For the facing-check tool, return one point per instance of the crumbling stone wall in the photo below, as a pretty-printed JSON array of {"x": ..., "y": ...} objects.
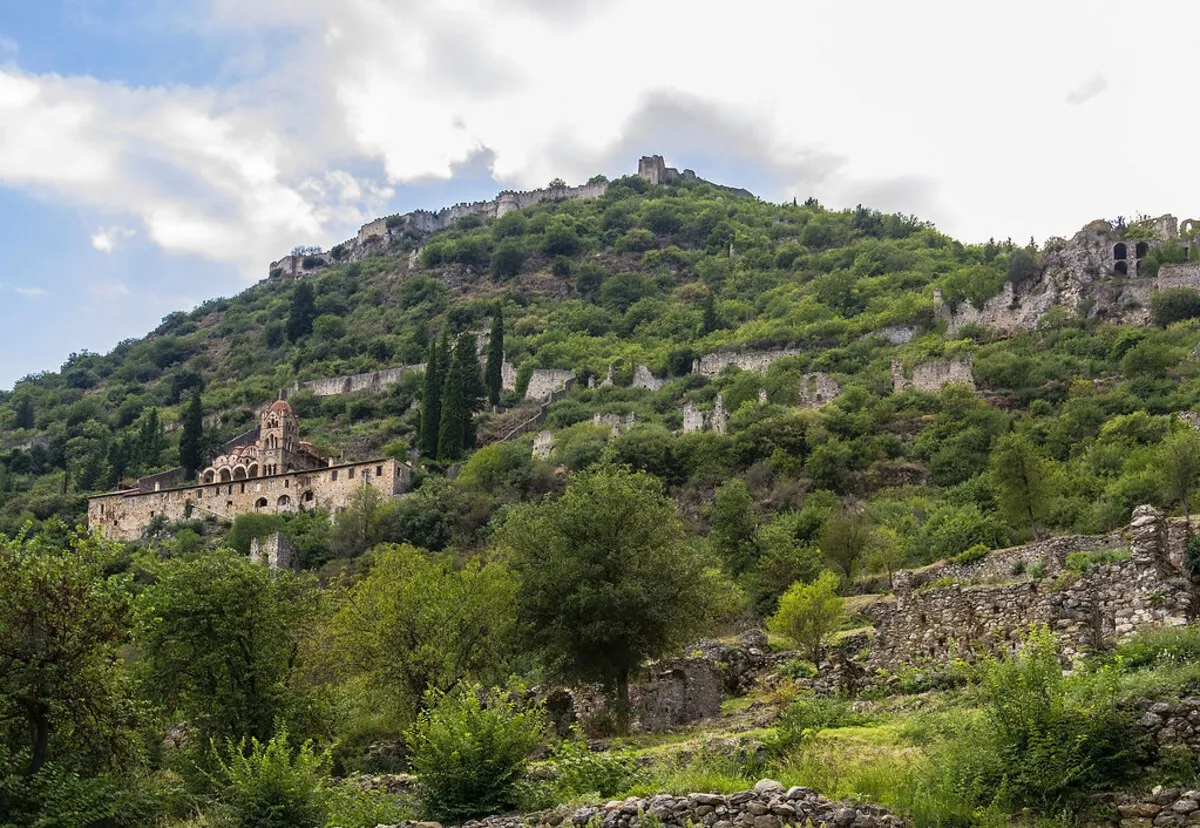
[
  {"x": 1179, "y": 275},
  {"x": 352, "y": 383},
  {"x": 759, "y": 361},
  {"x": 695, "y": 419},
  {"x": 543, "y": 444},
  {"x": 934, "y": 376},
  {"x": 680, "y": 692},
  {"x": 1096, "y": 608},
  {"x": 817, "y": 389},
  {"x": 769, "y": 805},
  {"x": 642, "y": 378},
  {"x": 275, "y": 550},
  {"x": 619, "y": 423},
  {"x": 544, "y": 382}
]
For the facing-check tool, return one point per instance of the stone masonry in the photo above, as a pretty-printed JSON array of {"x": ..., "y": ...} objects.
[
  {"x": 275, "y": 550},
  {"x": 759, "y": 361},
  {"x": 642, "y": 378},
  {"x": 768, "y": 805},
  {"x": 1087, "y": 611},
  {"x": 816, "y": 390},
  {"x": 695, "y": 419},
  {"x": 933, "y": 376}
]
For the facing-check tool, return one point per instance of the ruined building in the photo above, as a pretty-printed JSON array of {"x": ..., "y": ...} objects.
[{"x": 268, "y": 469}]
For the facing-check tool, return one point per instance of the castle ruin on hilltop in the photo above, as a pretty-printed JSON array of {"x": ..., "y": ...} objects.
[
  {"x": 377, "y": 236},
  {"x": 267, "y": 469}
]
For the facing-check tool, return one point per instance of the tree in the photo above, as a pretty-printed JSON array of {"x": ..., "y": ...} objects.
[
  {"x": 24, "y": 413},
  {"x": 493, "y": 374},
  {"x": 710, "y": 322},
  {"x": 1022, "y": 479},
  {"x": 358, "y": 527},
  {"x": 191, "y": 440},
  {"x": 507, "y": 259},
  {"x": 461, "y": 398},
  {"x": 61, "y": 623},
  {"x": 886, "y": 554},
  {"x": 431, "y": 399},
  {"x": 302, "y": 313},
  {"x": 219, "y": 638},
  {"x": 1173, "y": 305},
  {"x": 809, "y": 614},
  {"x": 150, "y": 439},
  {"x": 1179, "y": 460},
  {"x": 845, "y": 539},
  {"x": 606, "y": 578},
  {"x": 418, "y": 622},
  {"x": 732, "y": 533}
]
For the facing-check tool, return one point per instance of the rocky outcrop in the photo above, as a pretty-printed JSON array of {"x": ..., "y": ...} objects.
[{"x": 768, "y": 805}]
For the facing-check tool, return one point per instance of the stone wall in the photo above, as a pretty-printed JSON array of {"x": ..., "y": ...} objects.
[
  {"x": 543, "y": 444},
  {"x": 123, "y": 516},
  {"x": 816, "y": 389},
  {"x": 642, "y": 378},
  {"x": 1087, "y": 611},
  {"x": 619, "y": 423},
  {"x": 680, "y": 692},
  {"x": 758, "y": 361},
  {"x": 1001, "y": 564},
  {"x": 544, "y": 382},
  {"x": 275, "y": 551},
  {"x": 695, "y": 419},
  {"x": 768, "y": 805},
  {"x": 934, "y": 376},
  {"x": 1179, "y": 275},
  {"x": 353, "y": 383}
]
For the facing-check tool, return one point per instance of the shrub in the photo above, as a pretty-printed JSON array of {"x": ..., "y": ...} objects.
[
  {"x": 269, "y": 786},
  {"x": 585, "y": 771},
  {"x": 1191, "y": 555},
  {"x": 1037, "y": 571},
  {"x": 809, "y": 614},
  {"x": 1176, "y": 644},
  {"x": 1173, "y": 305},
  {"x": 975, "y": 553},
  {"x": 804, "y": 717},
  {"x": 468, "y": 752},
  {"x": 799, "y": 668},
  {"x": 1080, "y": 561}
]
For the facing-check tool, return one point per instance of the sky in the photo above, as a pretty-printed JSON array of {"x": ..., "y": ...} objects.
[{"x": 158, "y": 153}]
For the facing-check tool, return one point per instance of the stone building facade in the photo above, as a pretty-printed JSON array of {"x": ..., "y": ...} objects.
[
  {"x": 697, "y": 419},
  {"x": 759, "y": 361},
  {"x": 934, "y": 376},
  {"x": 816, "y": 389},
  {"x": 276, "y": 473}
]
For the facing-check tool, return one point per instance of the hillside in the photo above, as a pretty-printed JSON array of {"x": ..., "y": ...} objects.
[{"x": 775, "y": 505}]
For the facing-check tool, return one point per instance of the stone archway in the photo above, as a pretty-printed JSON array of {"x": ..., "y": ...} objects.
[
  {"x": 239, "y": 473},
  {"x": 1121, "y": 268},
  {"x": 225, "y": 476},
  {"x": 1141, "y": 249},
  {"x": 1120, "y": 251},
  {"x": 260, "y": 504}
]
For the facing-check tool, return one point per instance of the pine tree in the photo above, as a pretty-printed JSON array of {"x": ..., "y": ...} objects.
[
  {"x": 191, "y": 441},
  {"x": 431, "y": 399},
  {"x": 461, "y": 398},
  {"x": 24, "y": 413},
  {"x": 150, "y": 440},
  {"x": 302, "y": 312},
  {"x": 493, "y": 374}
]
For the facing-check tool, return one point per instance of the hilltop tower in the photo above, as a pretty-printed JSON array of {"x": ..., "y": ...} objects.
[{"x": 279, "y": 438}]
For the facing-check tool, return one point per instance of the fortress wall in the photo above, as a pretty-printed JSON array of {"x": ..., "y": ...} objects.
[{"x": 758, "y": 361}]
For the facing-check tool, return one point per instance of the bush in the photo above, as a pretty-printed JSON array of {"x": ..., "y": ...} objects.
[
  {"x": 804, "y": 717},
  {"x": 1173, "y": 645},
  {"x": 468, "y": 752},
  {"x": 1080, "y": 561},
  {"x": 975, "y": 553},
  {"x": 1191, "y": 555},
  {"x": 270, "y": 787},
  {"x": 809, "y": 614},
  {"x": 1174, "y": 305},
  {"x": 582, "y": 770}
]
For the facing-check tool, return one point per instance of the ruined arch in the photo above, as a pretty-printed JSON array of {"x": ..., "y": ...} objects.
[
  {"x": 1120, "y": 251},
  {"x": 1141, "y": 249},
  {"x": 283, "y": 501},
  {"x": 260, "y": 504},
  {"x": 308, "y": 497},
  {"x": 1188, "y": 226},
  {"x": 225, "y": 476},
  {"x": 1121, "y": 268}
]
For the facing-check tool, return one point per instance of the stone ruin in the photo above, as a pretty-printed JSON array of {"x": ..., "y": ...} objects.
[
  {"x": 275, "y": 550},
  {"x": 680, "y": 692},
  {"x": 817, "y": 389},
  {"x": 642, "y": 378},
  {"x": 619, "y": 423},
  {"x": 695, "y": 419},
  {"x": 1087, "y": 611},
  {"x": 933, "y": 376},
  {"x": 760, "y": 361},
  {"x": 543, "y": 444}
]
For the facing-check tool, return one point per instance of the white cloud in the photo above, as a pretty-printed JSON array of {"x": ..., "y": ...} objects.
[
  {"x": 967, "y": 116},
  {"x": 30, "y": 292},
  {"x": 107, "y": 239}
]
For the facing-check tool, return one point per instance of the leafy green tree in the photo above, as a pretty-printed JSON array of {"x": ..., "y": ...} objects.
[
  {"x": 886, "y": 553},
  {"x": 1022, "y": 479},
  {"x": 431, "y": 398},
  {"x": 507, "y": 259},
  {"x": 360, "y": 525},
  {"x": 606, "y": 578},
  {"x": 845, "y": 540},
  {"x": 219, "y": 638},
  {"x": 710, "y": 322},
  {"x": 469, "y": 752},
  {"x": 1179, "y": 459},
  {"x": 733, "y": 530},
  {"x": 191, "y": 440},
  {"x": 302, "y": 312},
  {"x": 809, "y": 614},
  {"x": 494, "y": 372},
  {"x": 1021, "y": 266},
  {"x": 418, "y": 622},
  {"x": 62, "y": 620}
]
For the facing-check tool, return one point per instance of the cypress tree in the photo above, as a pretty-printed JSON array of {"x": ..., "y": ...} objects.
[
  {"x": 150, "y": 440},
  {"x": 461, "y": 397},
  {"x": 24, "y": 413},
  {"x": 302, "y": 312},
  {"x": 191, "y": 441},
  {"x": 493, "y": 375},
  {"x": 710, "y": 313},
  {"x": 431, "y": 399}
]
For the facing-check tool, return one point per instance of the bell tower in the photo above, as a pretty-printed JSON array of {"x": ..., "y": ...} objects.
[{"x": 278, "y": 438}]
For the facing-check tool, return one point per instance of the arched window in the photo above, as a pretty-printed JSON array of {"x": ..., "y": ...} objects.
[
  {"x": 1141, "y": 250},
  {"x": 1119, "y": 251},
  {"x": 1121, "y": 268},
  {"x": 260, "y": 504},
  {"x": 283, "y": 500},
  {"x": 225, "y": 476},
  {"x": 307, "y": 497},
  {"x": 253, "y": 472},
  {"x": 239, "y": 473},
  {"x": 209, "y": 476}
]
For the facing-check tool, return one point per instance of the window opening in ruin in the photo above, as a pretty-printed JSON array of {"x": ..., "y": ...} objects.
[
  {"x": 350, "y": 474},
  {"x": 1141, "y": 250},
  {"x": 151, "y": 513},
  {"x": 1121, "y": 268},
  {"x": 242, "y": 489},
  {"x": 379, "y": 471},
  {"x": 334, "y": 476},
  {"x": 284, "y": 500},
  {"x": 1119, "y": 252},
  {"x": 102, "y": 508},
  {"x": 229, "y": 504},
  {"x": 287, "y": 484},
  {"x": 308, "y": 497},
  {"x": 261, "y": 503}
]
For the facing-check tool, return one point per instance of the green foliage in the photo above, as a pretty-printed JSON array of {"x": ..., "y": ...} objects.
[
  {"x": 1174, "y": 305},
  {"x": 418, "y": 622},
  {"x": 469, "y": 752},
  {"x": 809, "y": 614},
  {"x": 605, "y": 577},
  {"x": 1081, "y": 561},
  {"x": 804, "y": 717},
  {"x": 493, "y": 372},
  {"x": 976, "y": 553},
  {"x": 1191, "y": 555},
  {"x": 1179, "y": 460},
  {"x": 437, "y": 365},
  {"x": 302, "y": 313},
  {"x": 270, "y": 785},
  {"x": 218, "y": 637},
  {"x": 1022, "y": 480},
  {"x": 191, "y": 440},
  {"x": 586, "y": 772},
  {"x": 732, "y": 534}
]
